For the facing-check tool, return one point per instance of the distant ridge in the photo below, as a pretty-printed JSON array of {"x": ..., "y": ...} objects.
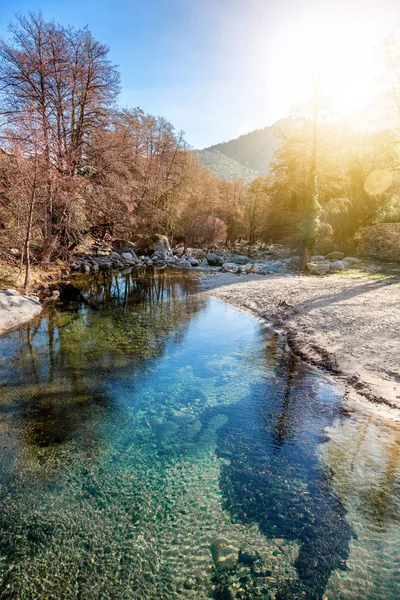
[
  {"x": 247, "y": 156},
  {"x": 225, "y": 167}
]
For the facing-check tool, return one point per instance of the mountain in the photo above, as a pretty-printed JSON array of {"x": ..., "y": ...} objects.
[
  {"x": 247, "y": 156},
  {"x": 250, "y": 155},
  {"x": 225, "y": 167}
]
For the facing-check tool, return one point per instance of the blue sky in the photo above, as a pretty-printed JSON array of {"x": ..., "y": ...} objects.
[{"x": 218, "y": 68}]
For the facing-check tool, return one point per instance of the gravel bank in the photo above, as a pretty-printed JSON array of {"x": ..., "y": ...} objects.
[
  {"x": 348, "y": 325},
  {"x": 16, "y": 309}
]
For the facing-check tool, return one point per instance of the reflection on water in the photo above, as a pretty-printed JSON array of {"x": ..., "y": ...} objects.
[{"x": 147, "y": 421}]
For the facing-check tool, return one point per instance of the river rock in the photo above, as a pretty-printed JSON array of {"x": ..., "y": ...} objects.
[
  {"x": 317, "y": 258},
  {"x": 94, "y": 268},
  {"x": 339, "y": 265},
  {"x": 85, "y": 268},
  {"x": 105, "y": 267},
  {"x": 351, "y": 260},
  {"x": 194, "y": 262},
  {"x": 196, "y": 253},
  {"x": 230, "y": 267},
  {"x": 162, "y": 246},
  {"x": 240, "y": 259},
  {"x": 334, "y": 256},
  {"x": 127, "y": 257},
  {"x": 248, "y": 268},
  {"x": 225, "y": 555},
  {"x": 318, "y": 268},
  {"x": 258, "y": 268},
  {"x": 214, "y": 260},
  {"x": 115, "y": 256}
]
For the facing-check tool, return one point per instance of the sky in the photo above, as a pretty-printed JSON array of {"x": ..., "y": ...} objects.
[{"x": 220, "y": 68}]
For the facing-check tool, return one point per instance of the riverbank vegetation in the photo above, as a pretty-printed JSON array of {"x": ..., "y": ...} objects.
[{"x": 73, "y": 162}]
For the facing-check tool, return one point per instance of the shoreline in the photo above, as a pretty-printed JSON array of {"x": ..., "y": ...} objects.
[{"x": 365, "y": 374}]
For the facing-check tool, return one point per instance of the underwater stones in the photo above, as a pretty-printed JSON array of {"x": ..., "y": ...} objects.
[
  {"x": 225, "y": 556},
  {"x": 248, "y": 555}
]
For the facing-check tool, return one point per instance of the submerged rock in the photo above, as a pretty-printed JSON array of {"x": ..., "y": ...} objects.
[{"x": 225, "y": 556}]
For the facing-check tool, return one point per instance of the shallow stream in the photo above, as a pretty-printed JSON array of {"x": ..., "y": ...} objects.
[{"x": 157, "y": 443}]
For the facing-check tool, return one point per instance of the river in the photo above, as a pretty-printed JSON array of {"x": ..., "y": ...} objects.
[{"x": 157, "y": 443}]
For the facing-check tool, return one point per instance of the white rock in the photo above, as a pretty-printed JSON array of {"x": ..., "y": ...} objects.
[{"x": 339, "y": 265}]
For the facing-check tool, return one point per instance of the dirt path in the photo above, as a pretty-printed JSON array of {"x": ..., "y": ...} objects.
[{"x": 349, "y": 324}]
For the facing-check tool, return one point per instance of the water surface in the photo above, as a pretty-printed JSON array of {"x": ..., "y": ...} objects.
[{"x": 144, "y": 423}]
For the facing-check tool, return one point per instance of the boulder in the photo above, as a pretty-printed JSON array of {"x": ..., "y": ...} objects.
[
  {"x": 105, "y": 267},
  {"x": 248, "y": 268},
  {"x": 214, "y": 260},
  {"x": 258, "y": 268},
  {"x": 123, "y": 246},
  {"x": 85, "y": 268},
  {"x": 115, "y": 256},
  {"x": 334, "y": 256},
  {"x": 351, "y": 260},
  {"x": 127, "y": 258},
  {"x": 338, "y": 265},
  {"x": 224, "y": 554},
  {"x": 317, "y": 258},
  {"x": 230, "y": 267},
  {"x": 94, "y": 269},
  {"x": 162, "y": 246},
  {"x": 196, "y": 253},
  {"x": 318, "y": 268},
  {"x": 194, "y": 262},
  {"x": 240, "y": 259}
]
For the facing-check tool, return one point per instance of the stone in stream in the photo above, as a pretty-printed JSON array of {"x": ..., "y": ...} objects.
[{"x": 225, "y": 556}]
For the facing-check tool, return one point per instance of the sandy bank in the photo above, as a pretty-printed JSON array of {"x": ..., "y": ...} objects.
[
  {"x": 16, "y": 309},
  {"x": 349, "y": 325}
]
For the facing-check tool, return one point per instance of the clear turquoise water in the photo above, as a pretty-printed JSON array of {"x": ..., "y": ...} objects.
[{"x": 139, "y": 426}]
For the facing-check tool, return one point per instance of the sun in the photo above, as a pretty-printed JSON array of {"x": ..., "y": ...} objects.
[{"x": 342, "y": 50}]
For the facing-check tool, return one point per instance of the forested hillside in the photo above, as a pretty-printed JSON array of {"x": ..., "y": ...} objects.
[
  {"x": 226, "y": 168},
  {"x": 254, "y": 150}
]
